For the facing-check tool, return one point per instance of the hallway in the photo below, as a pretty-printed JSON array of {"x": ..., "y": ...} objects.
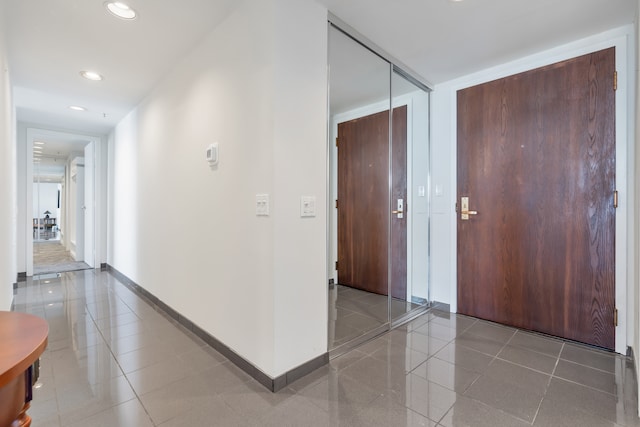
[{"x": 113, "y": 360}]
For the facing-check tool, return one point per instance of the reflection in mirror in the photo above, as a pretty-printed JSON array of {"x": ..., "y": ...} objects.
[
  {"x": 409, "y": 237},
  {"x": 359, "y": 93}
]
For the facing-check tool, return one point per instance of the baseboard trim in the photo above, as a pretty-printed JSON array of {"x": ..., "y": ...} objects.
[
  {"x": 273, "y": 384},
  {"x": 22, "y": 277}
]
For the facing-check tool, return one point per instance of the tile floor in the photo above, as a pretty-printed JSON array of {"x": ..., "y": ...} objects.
[
  {"x": 114, "y": 361},
  {"x": 354, "y": 312}
]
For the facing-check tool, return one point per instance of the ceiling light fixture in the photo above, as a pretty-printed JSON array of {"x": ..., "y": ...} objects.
[
  {"x": 38, "y": 142},
  {"x": 91, "y": 75},
  {"x": 121, "y": 10},
  {"x": 77, "y": 108}
]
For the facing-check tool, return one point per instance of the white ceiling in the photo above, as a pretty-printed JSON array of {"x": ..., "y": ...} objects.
[{"x": 51, "y": 41}]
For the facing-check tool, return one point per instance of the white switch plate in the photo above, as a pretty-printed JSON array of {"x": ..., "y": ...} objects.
[
  {"x": 439, "y": 190},
  {"x": 421, "y": 191},
  {"x": 307, "y": 206},
  {"x": 262, "y": 204}
]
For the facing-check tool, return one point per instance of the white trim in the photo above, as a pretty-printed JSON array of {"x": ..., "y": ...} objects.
[{"x": 617, "y": 38}]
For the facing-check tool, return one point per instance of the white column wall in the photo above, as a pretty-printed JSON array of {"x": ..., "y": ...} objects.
[
  {"x": 189, "y": 233},
  {"x": 443, "y": 119},
  {"x": 8, "y": 184},
  {"x": 300, "y": 169}
]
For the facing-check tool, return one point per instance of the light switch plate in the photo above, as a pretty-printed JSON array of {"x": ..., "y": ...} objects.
[
  {"x": 307, "y": 206},
  {"x": 262, "y": 204}
]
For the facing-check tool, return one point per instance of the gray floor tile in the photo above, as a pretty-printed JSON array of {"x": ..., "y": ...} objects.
[
  {"x": 468, "y": 412},
  {"x": 553, "y": 413},
  {"x": 464, "y": 357},
  {"x": 446, "y": 374},
  {"x": 593, "y": 402},
  {"x": 530, "y": 359},
  {"x": 383, "y": 412},
  {"x": 536, "y": 342},
  {"x": 518, "y": 401},
  {"x": 165, "y": 374},
  {"x": 426, "y": 398},
  {"x": 585, "y": 356},
  {"x": 600, "y": 380},
  {"x": 130, "y": 413},
  {"x": 518, "y": 376}
]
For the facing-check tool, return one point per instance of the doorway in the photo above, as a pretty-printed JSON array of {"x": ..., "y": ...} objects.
[
  {"x": 536, "y": 239},
  {"x": 379, "y": 169},
  {"x": 62, "y": 200}
]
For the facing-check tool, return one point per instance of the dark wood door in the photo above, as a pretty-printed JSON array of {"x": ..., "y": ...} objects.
[
  {"x": 536, "y": 157},
  {"x": 363, "y": 203}
]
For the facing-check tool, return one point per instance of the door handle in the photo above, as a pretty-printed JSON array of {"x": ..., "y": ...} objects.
[
  {"x": 464, "y": 209},
  {"x": 399, "y": 209}
]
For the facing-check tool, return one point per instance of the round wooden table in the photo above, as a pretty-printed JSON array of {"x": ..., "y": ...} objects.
[{"x": 23, "y": 338}]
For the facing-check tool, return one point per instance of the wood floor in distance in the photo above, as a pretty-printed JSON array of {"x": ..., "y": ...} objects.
[{"x": 52, "y": 257}]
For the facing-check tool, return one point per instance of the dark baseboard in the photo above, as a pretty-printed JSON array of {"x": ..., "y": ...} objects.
[
  {"x": 22, "y": 277},
  {"x": 273, "y": 384}
]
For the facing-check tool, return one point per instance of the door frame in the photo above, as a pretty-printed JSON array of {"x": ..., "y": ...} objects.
[
  {"x": 32, "y": 135},
  {"x": 624, "y": 290},
  {"x": 333, "y": 177}
]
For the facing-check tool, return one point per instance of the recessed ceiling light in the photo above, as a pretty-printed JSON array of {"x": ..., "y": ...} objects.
[
  {"x": 121, "y": 10},
  {"x": 38, "y": 142},
  {"x": 77, "y": 108},
  {"x": 91, "y": 75}
]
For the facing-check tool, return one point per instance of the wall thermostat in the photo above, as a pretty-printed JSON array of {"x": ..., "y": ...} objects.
[{"x": 212, "y": 154}]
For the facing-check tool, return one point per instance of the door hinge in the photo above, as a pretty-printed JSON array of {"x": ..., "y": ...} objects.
[
  {"x": 336, "y": 203},
  {"x": 615, "y": 199},
  {"x": 456, "y": 207},
  {"x": 615, "y": 80},
  {"x": 336, "y": 265},
  {"x": 336, "y": 141},
  {"x": 615, "y": 317}
]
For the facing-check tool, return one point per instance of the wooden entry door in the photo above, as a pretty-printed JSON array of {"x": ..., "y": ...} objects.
[
  {"x": 363, "y": 203},
  {"x": 536, "y": 157}
]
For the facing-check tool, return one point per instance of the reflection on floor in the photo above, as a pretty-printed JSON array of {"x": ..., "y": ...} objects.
[
  {"x": 52, "y": 257},
  {"x": 353, "y": 312},
  {"x": 114, "y": 361}
]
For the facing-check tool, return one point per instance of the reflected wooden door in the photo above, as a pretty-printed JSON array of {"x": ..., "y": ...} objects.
[
  {"x": 536, "y": 157},
  {"x": 363, "y": 203}
]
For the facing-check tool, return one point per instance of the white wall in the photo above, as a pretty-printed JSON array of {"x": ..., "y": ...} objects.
[
  {"x": 8, "y": 184},
  {"x": 443, "y": 119},
  {"x": 189, "y": 233},
  {"x": 45, "y": 198}
]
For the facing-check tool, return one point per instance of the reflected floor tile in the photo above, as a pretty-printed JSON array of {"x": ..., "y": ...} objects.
[
  {"x": 127, "y": 414},
  {"x": 383, "y": 412},
  {"x": 159, "y": 375},
  {"x": 469, "y": 412},
  {"x": 215, "y": 410},
  {"x": 82, "y": 401},
  {"x": 465, "y": 357},
  {"x": 446, "y": 374},
  {"x": 297, "y": 411},
  {"x": 340, "y": 394},
  {"x": 426, "y": 398}
]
